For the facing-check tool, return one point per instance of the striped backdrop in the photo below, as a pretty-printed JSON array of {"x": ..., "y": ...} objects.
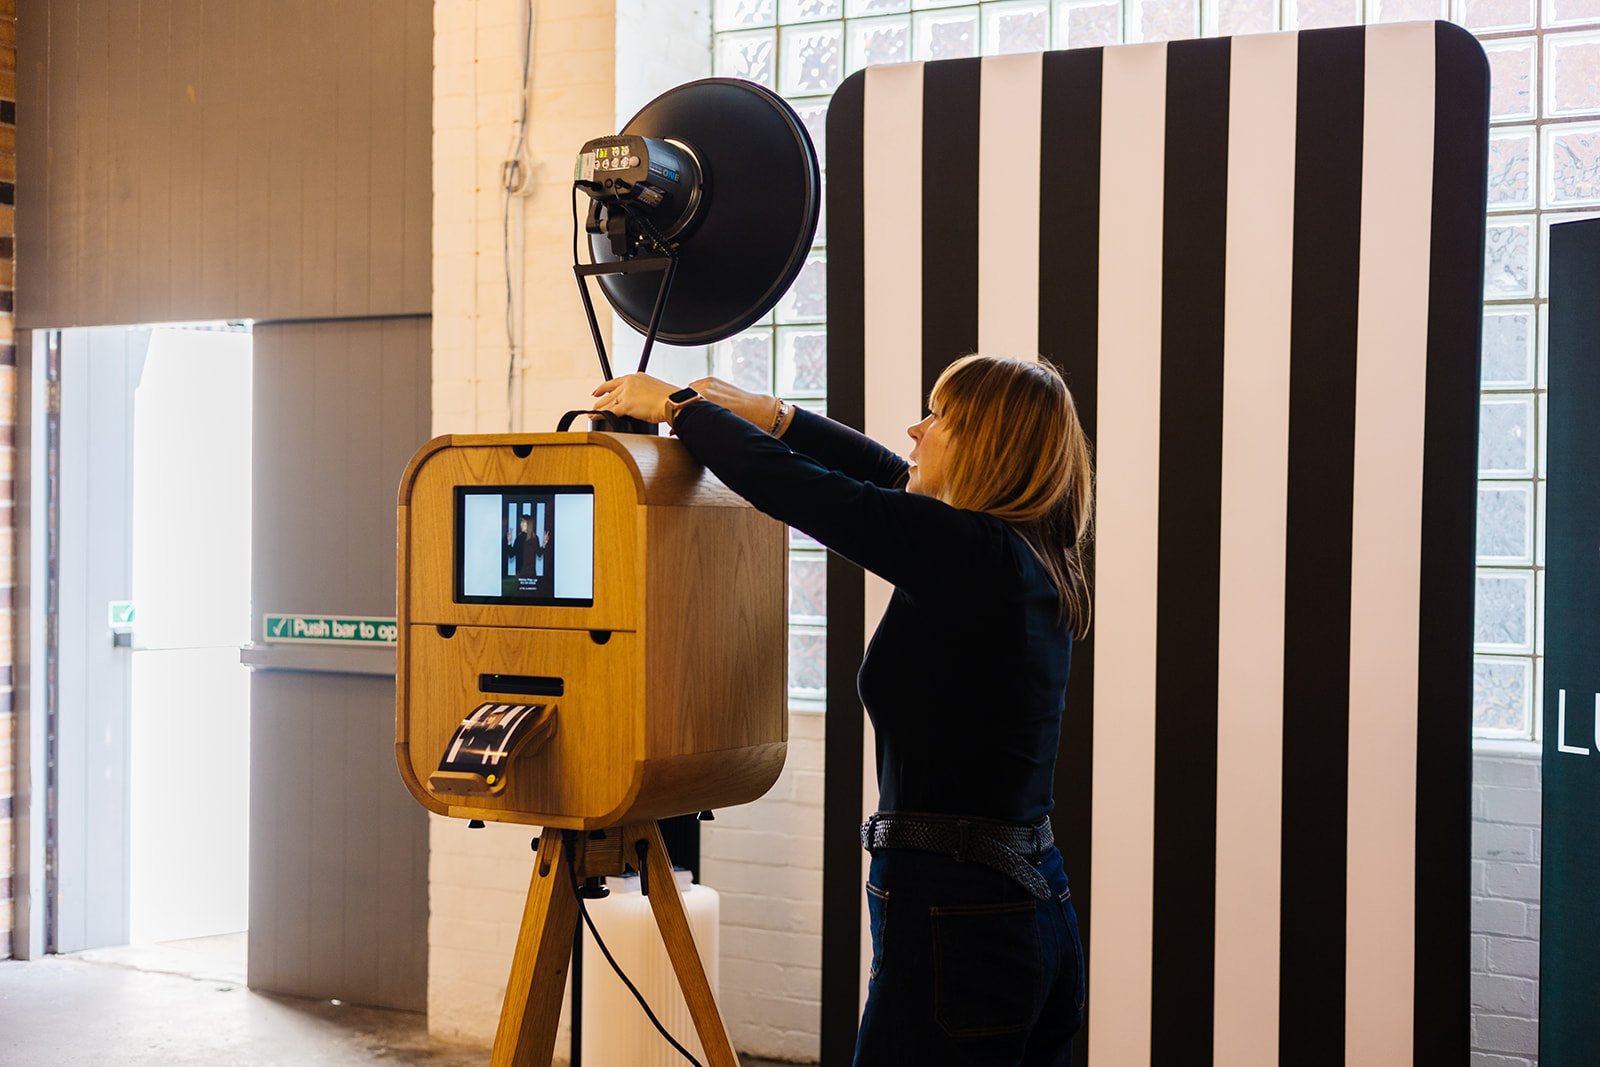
[{"x": 1258, "y": 261}]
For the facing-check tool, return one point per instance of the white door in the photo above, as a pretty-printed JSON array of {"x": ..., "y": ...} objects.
[
  {"x": 151, "y": 813},
  {"x": 190, "y": 723}
]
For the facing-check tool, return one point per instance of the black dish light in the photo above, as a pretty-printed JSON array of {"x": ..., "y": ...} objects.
[{"x": 721, "y": 175}]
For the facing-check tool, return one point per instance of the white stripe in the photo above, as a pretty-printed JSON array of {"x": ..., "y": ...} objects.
[
  {"x": 516, "y": 720},
  {"x": 1255, "y": 464},
  {"x": 1010, "y": 109},
  {"x": 1132, "y": 154},
  {"x": 892, "y": 316},
  {"x": 1386, "y": 545}
]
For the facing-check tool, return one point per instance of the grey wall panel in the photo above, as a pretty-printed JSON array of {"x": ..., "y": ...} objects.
[
  {"x": 152, "y": 166},
  {"x": 416, "y": 276},
  {"x": 124, "y": 142},
  {"x": 338, "y": 892},
  {"x": 341, "y": 836},
  {"x": 186, "y": 47},
  {"x": 340, "y": 407},
  {"x": 221, "y": 137},
  {"x": 183, "y": 160},
  {"x": 253, "y": 156}
]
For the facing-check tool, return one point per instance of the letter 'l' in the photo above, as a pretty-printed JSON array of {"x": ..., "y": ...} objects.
[{"x": 1561, "y": 724}]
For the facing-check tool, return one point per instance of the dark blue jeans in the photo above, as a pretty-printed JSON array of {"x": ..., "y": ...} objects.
[{"x": 967, "y": 966}]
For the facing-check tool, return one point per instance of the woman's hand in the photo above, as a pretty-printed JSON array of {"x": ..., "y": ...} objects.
[
  {"x": 636, "y": 396},
  {"x": 756, "y": 408}
]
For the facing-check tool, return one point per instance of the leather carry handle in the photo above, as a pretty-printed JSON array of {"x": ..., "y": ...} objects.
[
  {"x": 566, "y": 420},
  {"x": 610, "y": 423}
]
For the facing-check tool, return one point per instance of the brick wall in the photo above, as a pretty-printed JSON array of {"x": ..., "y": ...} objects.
[
  {"x": 477, "y": 883},
  {"x": 765, "y": 859},
  {"x": 8, "y": 464},
  {"x": 477, "y": 70},
  {"x": 1505, "y": 909},
  {"x": 595, "y": 63},
  {"x": 478, "y": 879}
]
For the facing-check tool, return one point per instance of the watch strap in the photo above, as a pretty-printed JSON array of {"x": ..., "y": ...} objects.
[{"x": 677, "y": 401}]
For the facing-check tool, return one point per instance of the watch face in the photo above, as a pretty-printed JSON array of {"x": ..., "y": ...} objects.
[{"x": 682, "y": 396}]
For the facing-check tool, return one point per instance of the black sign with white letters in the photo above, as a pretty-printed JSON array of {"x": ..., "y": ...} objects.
[{"x": 1569, "y": 948}]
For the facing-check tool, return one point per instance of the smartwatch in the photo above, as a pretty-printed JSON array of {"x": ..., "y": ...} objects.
[{"x": 676, "y": 402}]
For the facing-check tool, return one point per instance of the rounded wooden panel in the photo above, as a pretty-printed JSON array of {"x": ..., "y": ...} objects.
[{"x": 588, "y": 770}]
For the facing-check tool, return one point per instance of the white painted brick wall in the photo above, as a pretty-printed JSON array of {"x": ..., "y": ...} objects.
[
  {"x": 476, "y": 73},
  {"x": 659, "y": 46},
  {"x": 765, "y": 859},
  {"x": 477, "y": 883},
  {"x": 478, "y": 879},
  {"x": 596, "y": 62},
  {"x": 1505, "y": 910}
]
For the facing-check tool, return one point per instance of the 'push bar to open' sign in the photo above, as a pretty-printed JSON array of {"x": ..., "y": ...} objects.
[{"x": 327, "y": 630}]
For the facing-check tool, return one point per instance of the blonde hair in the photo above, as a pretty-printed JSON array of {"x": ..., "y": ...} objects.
[{"x": 1021, "y": 455}]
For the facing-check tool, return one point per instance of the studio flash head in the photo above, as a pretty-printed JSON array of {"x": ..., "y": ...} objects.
[{"x": 642, "y": 189}]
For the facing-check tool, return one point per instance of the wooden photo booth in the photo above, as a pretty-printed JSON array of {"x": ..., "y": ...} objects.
[
  {"x": 616, "y": 616},
  {"x": 668, "y": 691}
]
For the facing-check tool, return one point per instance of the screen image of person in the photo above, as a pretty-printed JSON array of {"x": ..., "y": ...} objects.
[
  {"x": 530, "y": 547},
  {"x": 983, "y": 963},
  {"x": 507, "y": 549}
]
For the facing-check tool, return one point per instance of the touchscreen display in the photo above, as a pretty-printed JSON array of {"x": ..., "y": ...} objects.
[{"x": 526, "y": 544}]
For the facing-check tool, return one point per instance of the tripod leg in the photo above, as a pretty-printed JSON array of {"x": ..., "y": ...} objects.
[
  {"x": 673, "y": 923},
  {"x": 532, "y": 1008}
]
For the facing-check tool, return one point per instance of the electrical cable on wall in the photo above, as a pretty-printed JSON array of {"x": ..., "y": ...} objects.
[{"x": 516, "y": 184}]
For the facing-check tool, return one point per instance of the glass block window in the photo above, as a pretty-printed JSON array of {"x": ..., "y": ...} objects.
[{"x": 1544, "y": 168}]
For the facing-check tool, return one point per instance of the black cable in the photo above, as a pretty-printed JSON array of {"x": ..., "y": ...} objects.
[
  {"x": 575, "y": 261},
  {"x": 511, "y": 342},
  {"x": 511, "y": 171},
  {"x": 583, "y": 910},
  {"x": 662, "y": 245}
]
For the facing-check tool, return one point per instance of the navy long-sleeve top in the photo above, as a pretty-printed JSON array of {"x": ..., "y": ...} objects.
[{"x": 965, "y": 677}]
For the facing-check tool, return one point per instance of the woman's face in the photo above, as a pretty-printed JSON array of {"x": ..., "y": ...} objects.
[{"x": 930, "y": 455}]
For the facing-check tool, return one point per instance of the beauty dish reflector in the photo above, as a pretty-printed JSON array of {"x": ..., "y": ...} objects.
[{"x": 746, "y": 236}]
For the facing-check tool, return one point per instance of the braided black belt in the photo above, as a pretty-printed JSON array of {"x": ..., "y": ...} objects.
[{"x": 1000, "y": 845}]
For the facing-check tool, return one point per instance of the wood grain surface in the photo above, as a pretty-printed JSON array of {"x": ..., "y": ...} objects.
[{"x": 674, "y": 681}]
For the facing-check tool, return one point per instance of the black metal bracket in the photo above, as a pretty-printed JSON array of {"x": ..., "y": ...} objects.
[
  {"x": 641, "y": 849},
  {"x": 667, "y": 265}
]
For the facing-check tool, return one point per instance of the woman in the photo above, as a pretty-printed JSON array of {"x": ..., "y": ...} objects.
[{"x": 975, "y": 950}]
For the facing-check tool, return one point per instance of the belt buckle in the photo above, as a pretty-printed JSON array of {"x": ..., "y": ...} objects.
[
  {"x": 872, "y": 831},
  {"x": 961, "y": 840}
]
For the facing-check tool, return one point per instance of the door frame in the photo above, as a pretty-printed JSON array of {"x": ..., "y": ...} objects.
[{"x": 38, "y": 400}]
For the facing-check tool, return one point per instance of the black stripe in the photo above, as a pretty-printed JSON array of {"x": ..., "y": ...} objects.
[
  {"x": 842, "y": 747},
  {"x": 950, "y": 93},
  {"x": 1449, "y": 503},
  {"x": 1069, "y": 322},
  {"x": 1316, "y": 655},
  {"x": 1188, "y": 564}
]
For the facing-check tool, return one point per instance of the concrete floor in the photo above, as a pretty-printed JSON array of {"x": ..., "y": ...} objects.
[{"x": 185, "y": 1003}]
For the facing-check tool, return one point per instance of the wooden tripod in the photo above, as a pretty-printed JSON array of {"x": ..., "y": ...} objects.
[{"x": 532, "y": 1008}]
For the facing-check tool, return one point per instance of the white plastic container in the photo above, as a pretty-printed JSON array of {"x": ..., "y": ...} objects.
[{"x": 616, "y": 1032}]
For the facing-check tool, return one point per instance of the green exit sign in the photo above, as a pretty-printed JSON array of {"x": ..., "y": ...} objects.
[
  {"x": 120, "y": 613},
  {"x": 328, "y": 630}
]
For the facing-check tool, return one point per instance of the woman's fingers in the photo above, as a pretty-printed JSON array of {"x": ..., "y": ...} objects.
[{"x": 635, "y": 396}]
